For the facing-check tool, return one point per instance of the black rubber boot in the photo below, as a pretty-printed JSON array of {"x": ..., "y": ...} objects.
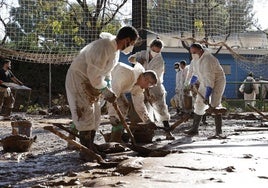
[
  {"x": 194, "y": 129},
  {"x": 169, "y": 135},
  {"x": 204, "y": 120},
  {"x": 116, "y": 134},
  {"x": 86, "y": 140},
  {"x": 218, "y": 124},
  {"x": 94, "y": 146},
  {"x": 166, "y": 124}
]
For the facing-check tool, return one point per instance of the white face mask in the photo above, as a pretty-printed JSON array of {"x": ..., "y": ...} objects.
[
  {"x": 177, "y": 70},
  {"x": 195, "y": 56},
  {"x": 153, "y": 53},
  {"x": 128, "y": 50}
]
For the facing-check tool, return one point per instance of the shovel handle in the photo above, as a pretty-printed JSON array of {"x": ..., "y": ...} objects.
[
  {"x": 122, "y": 119},
  {"x": 59, "y": 125},
  {"x": 217, "y": 111},
  {"x": 180, "y": 121},
  {"x": 194, "y": 89},
  {"x": 257, "y": 110},
  {"x": 89, "y": 152}
]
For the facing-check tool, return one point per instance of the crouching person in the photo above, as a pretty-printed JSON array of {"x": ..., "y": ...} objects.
[
  {"x": 133, "y": 80},
  {"x": 7, "y": 99}
]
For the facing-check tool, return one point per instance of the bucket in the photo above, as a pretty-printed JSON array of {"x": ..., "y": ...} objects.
[
  {"x": 143, "y": 133},
  {"x": 23, "y": 127},
  {"x": 17, "y": 143}
]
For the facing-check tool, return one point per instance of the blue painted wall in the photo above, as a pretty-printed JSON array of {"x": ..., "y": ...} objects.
[{"x": 238, "y": 74}]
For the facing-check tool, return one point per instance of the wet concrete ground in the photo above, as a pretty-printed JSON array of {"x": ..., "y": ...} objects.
[{"x": 241, "y": 160}]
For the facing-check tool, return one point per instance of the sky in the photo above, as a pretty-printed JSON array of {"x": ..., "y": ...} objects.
[
  {"x": 261, "y": 12},
  {"x": 260, "y": 8}
]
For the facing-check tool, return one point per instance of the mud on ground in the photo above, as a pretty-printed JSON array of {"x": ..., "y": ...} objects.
[{"x": 196, "y": 161}]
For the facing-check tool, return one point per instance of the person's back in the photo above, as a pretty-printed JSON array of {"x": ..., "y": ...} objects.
[
  {"x": 124, "y": 78},
  {"x": 127, "y": 79},
  {"x": 250, "y": 89},
  {"x": 248, "y": 85}
]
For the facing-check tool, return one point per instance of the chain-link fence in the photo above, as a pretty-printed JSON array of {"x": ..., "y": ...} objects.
[{"x": 237, "y": 102}]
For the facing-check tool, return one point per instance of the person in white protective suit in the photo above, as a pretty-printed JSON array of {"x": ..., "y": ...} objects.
[
  {"x": 156, "y": 96},
  {"x": 207, "y": 70},
  {"x": 86, "y": 81},
  {"x": 175, "y": 99},
  {"x": 193, "y": 93},
  {"x": 133, "y": 80},
  {"x": 250, "y": 89},
  {"x": 180, "y": 84}
]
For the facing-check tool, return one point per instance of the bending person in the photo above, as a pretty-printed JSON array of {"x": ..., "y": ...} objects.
[{"x": 127, "y": 79}]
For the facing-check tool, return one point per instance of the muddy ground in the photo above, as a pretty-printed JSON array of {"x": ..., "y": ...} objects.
[{"x": 240, "y": 160}]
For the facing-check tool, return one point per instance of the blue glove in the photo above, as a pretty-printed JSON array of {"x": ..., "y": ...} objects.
[
  {"x": 208, "y": 92},
  {"x": 193, "y": 80}
]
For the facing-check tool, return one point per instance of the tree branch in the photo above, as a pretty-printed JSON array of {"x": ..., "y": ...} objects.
[
  {"x": 5, "y": 26},
  {"x": 219, "y": 49},
  {"x": 115, "y": 12}
]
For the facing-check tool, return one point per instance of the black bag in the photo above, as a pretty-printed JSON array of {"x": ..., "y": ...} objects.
[{"x": 248, "y": 86}]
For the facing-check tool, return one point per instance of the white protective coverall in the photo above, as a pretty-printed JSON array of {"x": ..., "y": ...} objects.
[
  {"x": 92, "y": 65},
  {"x": 158, "y": 106},
  {"x": 251, "y": 97},
  {"x": 180, "y": 85},
  {"x": 176, "y": 98},
  {"x": 124, "y": 79},
  {"x": 210, "y": 74}
]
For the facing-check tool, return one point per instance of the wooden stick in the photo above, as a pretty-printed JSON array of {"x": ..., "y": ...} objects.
[
  {"x": 257, "y": 110},
  {"x": 250, "y": 129},
  {"x": 184, "y": 118},
  {"x": 122, "y": 119},
  {"x": 65, "y": 129},
  {"x": 89, "y": 152}
]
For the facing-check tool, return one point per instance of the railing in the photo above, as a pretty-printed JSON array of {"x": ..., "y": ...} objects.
[{"x": 234, "y": 99}]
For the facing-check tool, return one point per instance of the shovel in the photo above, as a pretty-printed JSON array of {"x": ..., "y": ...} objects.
[
  {"x": 143, "y": 151},
  {"x": 119, "y": 113},
  {"x": 210, "y": 110}
]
